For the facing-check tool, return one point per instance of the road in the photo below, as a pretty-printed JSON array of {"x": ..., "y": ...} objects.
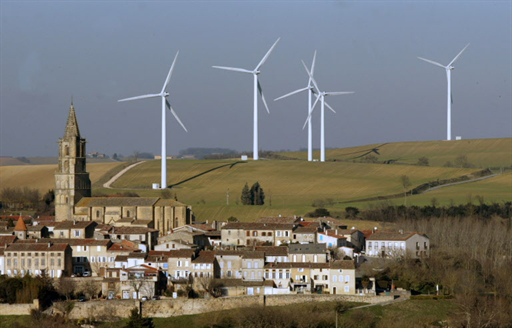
[{"x": 118, "y": 175}]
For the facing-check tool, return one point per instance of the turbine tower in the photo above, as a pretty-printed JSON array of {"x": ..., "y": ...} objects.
[
  {"x": 163, "y": 95},
  {"x": 448, "y": 69},
  {"x": 321, "y": 96},
  {"x": 257, "y": 88}
]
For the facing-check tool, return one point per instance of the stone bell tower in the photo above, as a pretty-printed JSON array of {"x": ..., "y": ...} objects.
[{"x": 71, "y": 179}]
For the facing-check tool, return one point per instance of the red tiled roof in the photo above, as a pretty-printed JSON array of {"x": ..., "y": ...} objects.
[
  {"x": 346, "y": 265},
  {"x": 7, "y": 240},
  {"x": 258, "y": 226},
  {"x": 20, "y": 225},
  {"x": 181, "y": 253},
  {"x": 205, "y": 257},
  {"x": 288, "y": 265},
  {"x": 36, "y": 247},
  {"x": 131, "y": 230},
  {"x": 273, "y": 250},
  {"x": 391, "y": 235},
  {"x": 73, "y": 224}
]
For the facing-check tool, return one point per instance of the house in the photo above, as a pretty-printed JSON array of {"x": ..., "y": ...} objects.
[
  {"x": 205, "y": 266},
  {"x": 196, "y": 238},
  {"x": 305, "y": 234},
  {"x": 280, "y": 273},
  {"x": 74, "y": 229},
  {"x": 320, "y": 275},
  {"x": 144, "y": 238},
  {"x": 354, "y": 238},
  {"x": 135, "y": 283},
  {"x": 274, "y": 254},
  {"x": 158, "y": 260},
  {"x": 239, "y": 287},
  {"x": 33, "y": 258},
  {"x": 230, "y": 263},
  {"x": 252, "y": 265},
  {"x": 171, "y": 245},
  {"x": 331, "y": 238},
  {"x": 180, "y": 264},
  {"x": 343, "y": 277},
  {"x": 250, "y": 233},
  {"x": 398, "y": 244},
  {"x": 314, "y": 253},
  {"x": 280, "y": 219}
]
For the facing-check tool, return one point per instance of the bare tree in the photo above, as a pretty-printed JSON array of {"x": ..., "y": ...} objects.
[
  {"x": 406, "y": 183},
  {"x": 210, "y": 285},
  {"x": 90, "y": 288},
  {"x": 66, "y": 287}
]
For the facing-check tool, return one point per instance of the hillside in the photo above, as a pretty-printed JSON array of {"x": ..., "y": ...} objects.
[
  {"x": 481, "y": 153},
  {"x": 42, "y": 176},
  {"x": 290, "y": 186}
]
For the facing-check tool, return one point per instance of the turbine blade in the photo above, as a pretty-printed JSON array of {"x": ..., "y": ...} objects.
[
  {"x": 312, "y": 109},
  {"x": 432, "y": 62},
  {"x": 338, "y": 93},
  {"x": 140, "y": 97},
  {"x": 292, "y": 93},
  {"x": 457, "y": 57},
  {"x": 170, "y": 73},
  {"x": 262, "y": 96},
  {"x": 313, "y": 64},
  {"x": 266, "y": 55},
  {"x": 328, "y": 106},
  {"x": 311, "y": 77},
  {"x": 233, "y": 69},
  {"x": 175, "y": 115}
]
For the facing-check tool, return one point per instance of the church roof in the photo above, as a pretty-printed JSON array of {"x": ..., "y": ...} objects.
[
  {"x": 20, "y": 225},
  {"x": 72, "y": 130},
  {"x": 116, "y": 201}
]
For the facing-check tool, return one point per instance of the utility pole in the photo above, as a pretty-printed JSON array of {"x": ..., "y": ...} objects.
[{"x": 227, "y": 197}]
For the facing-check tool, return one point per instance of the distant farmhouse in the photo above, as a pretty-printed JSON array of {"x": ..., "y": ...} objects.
[{"x": 73, "y": 199}]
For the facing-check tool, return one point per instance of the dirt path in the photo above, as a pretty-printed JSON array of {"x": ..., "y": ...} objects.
[
  {"x": 118, "y": 175},
  {"x": 461, "y": 182}
]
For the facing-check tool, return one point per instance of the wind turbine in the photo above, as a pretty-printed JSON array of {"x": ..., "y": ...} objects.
[
  {"x": 257, "y": 88},
  {"x": 448, "y": 69},
  {"x": 163, "y": 95},
  {"x": 321, "y": 96}
]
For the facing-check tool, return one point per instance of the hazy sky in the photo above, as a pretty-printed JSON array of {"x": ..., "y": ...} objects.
[{"x": 99, "y": 52}]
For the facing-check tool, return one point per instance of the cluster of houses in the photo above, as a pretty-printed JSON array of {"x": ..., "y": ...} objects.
[{"x": 131, "y": 260}]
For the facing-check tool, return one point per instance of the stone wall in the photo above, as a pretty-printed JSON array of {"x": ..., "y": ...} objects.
[
  {"x": 18, "y": 309},
  {"x": 181, "y": 306}
]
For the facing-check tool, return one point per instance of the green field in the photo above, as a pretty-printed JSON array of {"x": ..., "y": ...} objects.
[
  {"x": 483, "y": 153},
  {"x": 290, "y": 186}
]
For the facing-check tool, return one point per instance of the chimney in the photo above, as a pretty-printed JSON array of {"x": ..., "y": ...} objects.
[
  {"x": 74, "y": 222},
  {"x": 279, "y": 215},
  {"x": 49, "y": 244},
  {"x": 336, "y": 232},
  {"x": 401, "y": 231}
]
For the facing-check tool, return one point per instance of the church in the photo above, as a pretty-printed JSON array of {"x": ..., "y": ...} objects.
[{"x": 73, "y": 199}]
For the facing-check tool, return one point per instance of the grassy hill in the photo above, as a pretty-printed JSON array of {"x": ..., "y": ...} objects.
[
  {"x": 42, "y": 176},
  {"x": 290, "y": 186},
  {"x": 482, "y": 153}
]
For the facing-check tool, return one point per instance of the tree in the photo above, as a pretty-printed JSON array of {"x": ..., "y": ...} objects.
[
  {"x": 211, "y": 286},
  {"x": 232, "y": 219},
  {"x": 351, "y": 212},
  {"x": 406, "y": 183},
  {"x": 422, "y": 161},
  {"x": 66, "y": 287},
  {"x": 246, "y": 195},
  {"x": 257, "y": 194},
  {"x": 462, "y": 161},
  {"x": 137, "y": 321},
  {"x": 319, "y": 212}
]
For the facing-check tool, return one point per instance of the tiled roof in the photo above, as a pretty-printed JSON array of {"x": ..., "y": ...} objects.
[
  {"x": 273, "y": 250},
  {"x": 20, "y": 225},
  {"x": 168, "y": 202},
  {"x": 181, "y": 253},
  {"x": 367, "y": 233},
  {"x": 102, "y": 226},
  {"x": 308, "y": 229},
  {"x": 73, "y": 224},
  {"x": 306, "y": 248},
  {"x": 120, "y": 247},
  {"x": 35, "y": 228},
  {"x": 121, "y": 258},
  {"x": 288, "y": 265},
  {"x": 382, "y": 235},
  {"x": 240, "y": 283},
  {"x": 309, "y": 224},
  {"x": 244, "y": 254},
  {"x": 205, "y": 257},
  {"x": 257, "y": 226},
  {"x": 278, "y": 219},
  {"x": 6, "y": 240},
  {"x": 200, "y": 226},
  {"x": 332, "y": 234},
  {"x": 137, "y": 255},
  {"x": 116, "y": 201},
  {"x": 345, "y": 265},
  {"x": 130, "y": 230},
  {"x": 142, "y": 222},
  {"x": 124, "y": 220},
  {"x": 77, "y": 242},
  {"x": 36, "y": 247}
]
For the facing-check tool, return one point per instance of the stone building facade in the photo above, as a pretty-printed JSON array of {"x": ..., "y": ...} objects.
[{"x": 71, "y": 179}]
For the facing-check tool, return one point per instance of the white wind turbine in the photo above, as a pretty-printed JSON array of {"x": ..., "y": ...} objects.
[
  {"x": 163, "y": 94},
  {"x": 321, "y": 96},
  {"x": 448, "y": 69},
  {"x": 257, "y": 87}
]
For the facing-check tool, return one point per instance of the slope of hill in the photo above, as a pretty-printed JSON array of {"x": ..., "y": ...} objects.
[
  {"x": 42, "y": 176},
  {"x": 482, "y": 153},
  {"x": 290, "y": 186}
]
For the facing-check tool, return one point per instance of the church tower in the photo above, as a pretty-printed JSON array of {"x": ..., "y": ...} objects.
[{"x": 71, "y": 179}]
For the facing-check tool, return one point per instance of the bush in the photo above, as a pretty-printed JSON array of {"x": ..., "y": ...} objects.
[
  {"x": 319, "y": 212},
  {"x": 431, "y": 297},
  {"x": 422, "y": 161}
]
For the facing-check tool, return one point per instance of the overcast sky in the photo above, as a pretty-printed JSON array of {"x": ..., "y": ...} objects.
[{"x": 99, "y": 52}]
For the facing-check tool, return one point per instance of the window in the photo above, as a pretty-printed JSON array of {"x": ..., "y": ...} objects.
[
  {"x": 347, "y": 278},
  {"x": 255, "y": 233},
  {"x": 300, "y": 269},
  {"x": 77, "y": 233},
  {"x": 325, "y": 277},
  {"x": 263, "y": 234},
  {"x": 92, "y": 259},
  {"x": 43, "y": 262},
  {"x": 186, "y": 263},
  {"x": 425, "y": 245},
  {"x": 255, "y": 265},
  {"x": 36, "y": 263},
  {"x": 247, "y": 233},
  {"x": 59, "y": 262},
  {"x": 178, "y": 263},
  {"x": 315, "y": 277},
  {"x": 321, "y": 238},
  {"x": 270, "y": 234},
  {"x": 98, "y": 248},
  {"x": 278, "y": 233},
  {"x": 287, "y": 275},
  {"x": 97, "y": 214},
  {"x": 229, "y": 264},
  {"x": 249, "y": 265},
  {"x": 346, "y": 289},
  {"x": 417, "y": 245},
  {"x": 287, "y": 234},
  {"x": 52, "y": 262},
  {"x": 369, "y": 245},
  {"x": 128, "y": 213},
  {"x": 8, "y": 262},
  {"x": 315, "y": 258},
  {"x": 22, "y": 262},
  {"x": 334, "y": 278},
  {"x": 221, "y": 264}
]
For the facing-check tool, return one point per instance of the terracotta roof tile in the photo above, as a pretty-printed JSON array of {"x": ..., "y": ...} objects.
[
  {"x": 20, "y": 225},
  {"x": 257, "y": 226},
  {"x": 273, "y": 250}
]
